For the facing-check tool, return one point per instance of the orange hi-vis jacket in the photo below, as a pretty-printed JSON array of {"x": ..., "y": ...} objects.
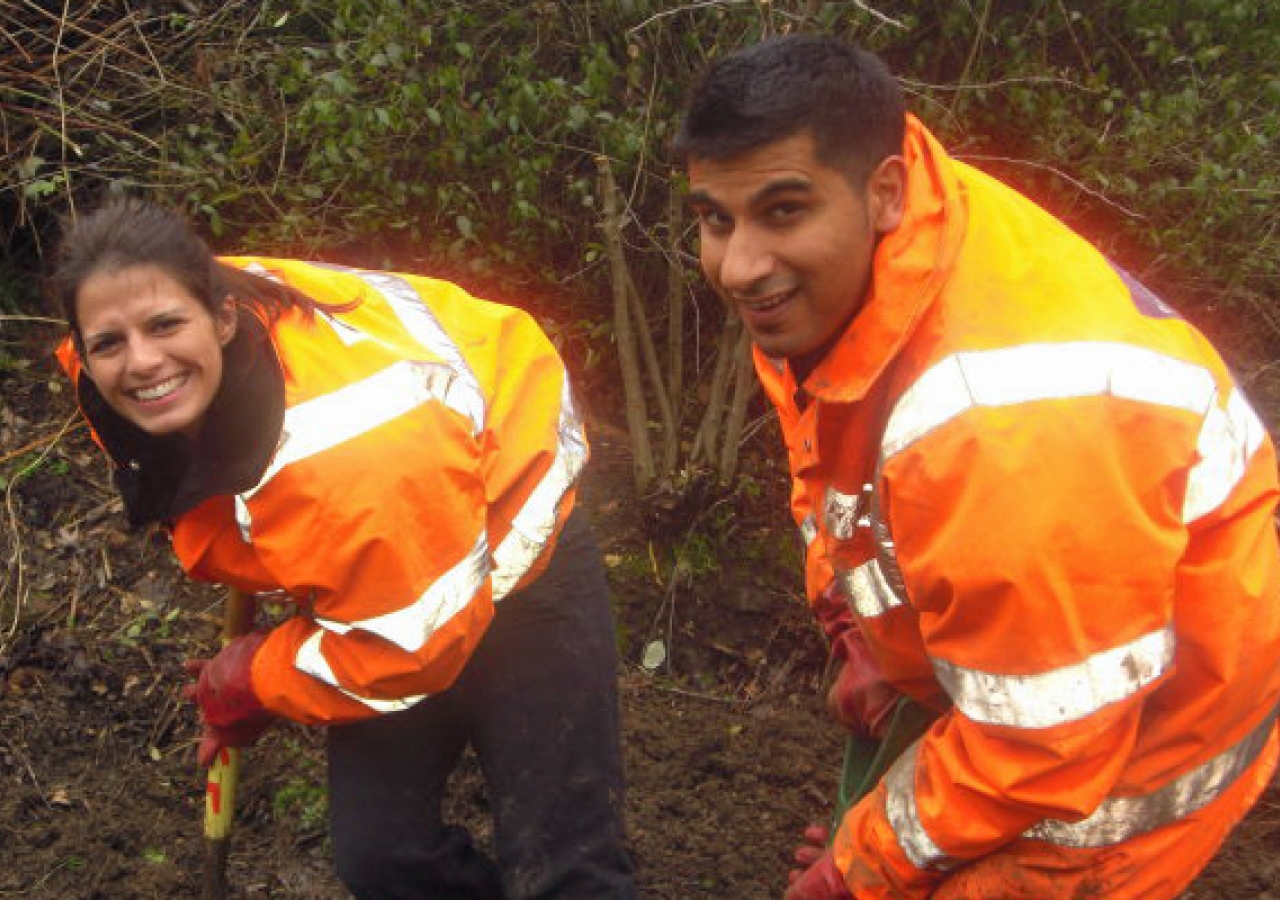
[
  {"x": 1052, "y": 511},
  {"x": 429, "y": 454}
]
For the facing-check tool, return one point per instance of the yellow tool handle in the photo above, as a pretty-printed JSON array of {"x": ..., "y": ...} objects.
[
  {"x": 220, "y": 793},
  {"x": 224, "y": 774}
]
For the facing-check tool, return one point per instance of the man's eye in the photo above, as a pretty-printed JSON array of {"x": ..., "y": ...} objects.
[
  {"x": 166, "y": 325},
  {"x": 783, "y": 212},
  {"x": 713, "y": 219}
]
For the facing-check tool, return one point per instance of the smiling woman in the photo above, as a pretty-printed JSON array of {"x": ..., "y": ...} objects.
[{"x": 401, "y": 460}]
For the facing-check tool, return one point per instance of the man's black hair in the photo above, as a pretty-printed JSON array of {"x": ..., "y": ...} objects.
[{"x": 843, "y": 95}]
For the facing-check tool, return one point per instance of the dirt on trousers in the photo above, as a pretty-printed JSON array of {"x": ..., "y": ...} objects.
[{"x": 729, "y": 752}]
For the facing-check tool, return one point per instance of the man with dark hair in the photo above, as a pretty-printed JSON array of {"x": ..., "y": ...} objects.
[{"x": 1034, "y": 499}]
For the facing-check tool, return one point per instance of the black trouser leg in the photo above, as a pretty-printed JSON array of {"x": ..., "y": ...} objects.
[
  {"x": 387, "y": 778},
  {"x": 550, "y": 749},
  {"x": 538, "y": 702}
]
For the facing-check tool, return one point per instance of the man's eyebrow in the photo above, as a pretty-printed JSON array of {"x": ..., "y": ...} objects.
[
  {"x": 700, "y": 198},
  {"x": 787, "y": 185},
  {"x": 781, "y": 186}
]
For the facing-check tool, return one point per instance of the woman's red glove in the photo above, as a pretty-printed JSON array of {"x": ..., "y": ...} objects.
[
  {"x": 231, "y": 712},
  {"x": 860, "y": 698},
  {"x": 819, "y": 879}
]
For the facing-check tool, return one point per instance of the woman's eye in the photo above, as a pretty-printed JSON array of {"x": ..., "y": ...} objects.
[{"x": 101, "y": 348}]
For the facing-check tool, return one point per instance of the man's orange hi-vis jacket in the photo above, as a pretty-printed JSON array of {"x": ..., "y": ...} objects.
[
  {"x": 429, "y": 453},
  {"x": 1052, "y": 511}
]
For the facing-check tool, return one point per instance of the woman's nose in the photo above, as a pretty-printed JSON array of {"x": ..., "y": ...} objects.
[{"x": 142, "y": 355}]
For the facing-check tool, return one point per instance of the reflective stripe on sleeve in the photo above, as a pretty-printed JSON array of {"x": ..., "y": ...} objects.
[
  {"x": 870, "y": 592},
  {"x": 1032, "y": 372},
  {"x": 1116, "y": 820},
  {"x": 1228, "y": 437},
  {"x": 309, "y": 659},
  {"x": 1227, "y": 442},
  {"x": 809, "y": 529},
  {"x": 532, "y": 526},
  {"x": 411, "y": 627},
  {"x": 425, "y": 328},
  {"x": 326, "y": 421},
  {"x": 1120, "y": 818},
  {"x": 1062, "y": 695},
  {"x": 904, "y": 818}
]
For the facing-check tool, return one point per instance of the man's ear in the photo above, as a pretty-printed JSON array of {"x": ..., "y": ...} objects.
[
  {"x": 224, "y": 321},
  {"x": 887, "y": 194}
]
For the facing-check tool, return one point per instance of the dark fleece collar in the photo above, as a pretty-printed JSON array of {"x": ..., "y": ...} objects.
[{"x": 162, "y": 477}]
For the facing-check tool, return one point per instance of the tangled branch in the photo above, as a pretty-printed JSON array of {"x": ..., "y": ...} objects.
[{"x": 86, "y": 88}]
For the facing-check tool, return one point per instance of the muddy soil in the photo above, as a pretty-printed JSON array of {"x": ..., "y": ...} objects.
[{"x": 728, "y": 751}]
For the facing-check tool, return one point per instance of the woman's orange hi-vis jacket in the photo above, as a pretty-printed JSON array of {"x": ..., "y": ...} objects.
[
  {"x": 1052, "y": 511},
  {"x": 427, "y": 454}
]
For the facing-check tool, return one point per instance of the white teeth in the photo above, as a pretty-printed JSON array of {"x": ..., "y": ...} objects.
[
  {"x": 771, "y": 303},
  {"x": 155, "y": 392}
]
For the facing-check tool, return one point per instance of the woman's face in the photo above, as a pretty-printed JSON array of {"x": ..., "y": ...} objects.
[{"x": 153, "y": 350}]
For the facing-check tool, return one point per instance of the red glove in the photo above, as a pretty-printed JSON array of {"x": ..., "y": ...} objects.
[
  {"x": 833, "y": 612},
  {"x": 860, "y": 698},
  {"x": 232, "y": 714},
  {"x": 242, "y": 734},
  {"x": 820, "y": 879}
]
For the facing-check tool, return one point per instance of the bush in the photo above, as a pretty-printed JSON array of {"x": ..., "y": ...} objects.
[{"x": 463, "y": 134}]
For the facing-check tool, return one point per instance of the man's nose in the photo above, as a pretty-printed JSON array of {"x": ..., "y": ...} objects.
[{"x": 747, "y": 263}]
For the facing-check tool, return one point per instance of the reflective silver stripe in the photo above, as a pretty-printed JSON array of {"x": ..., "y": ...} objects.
[
  {"x": 423, "y": 326},
  {"x": 904, "y": 819},
  {"x": 809, "y": 529},
  {"x": 841, "y": 512},
  {"x": 1032, "y": 372},
  {"x": 324, "y": 422},
  {"x": 886, "y": 550},
  {"x": 868, "y": 590},
  {"x": 244, "y": 519},
  {"x": 1116, "y": 820},
  {"x": 411, "y": 627},
  {"x": 532, "y": 527},
  {"x": 1227, "y": 442},
  {"x": 1061, "y": 695},
  {"x": 310, "y": 660},
  {"x": 348, "y": 334},
  {"x": 1121, "y": 818}
]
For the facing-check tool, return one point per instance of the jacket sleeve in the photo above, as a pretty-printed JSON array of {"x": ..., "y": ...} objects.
[
  {"x": 534, "y": 448},
  {"x": 383, "y": 540},
  {"x": 1039, "y": 545}
]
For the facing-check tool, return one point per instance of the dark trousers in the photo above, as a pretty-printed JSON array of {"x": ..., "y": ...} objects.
[{"x": 538, "y": 703}]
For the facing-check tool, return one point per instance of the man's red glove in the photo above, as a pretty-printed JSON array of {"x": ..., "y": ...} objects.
[
  {"x": 819, "y": 879},
  {"x": 860, "y": 698},
  {"x": 833, "y": 612},
  {"x": 231, "y": 712}
]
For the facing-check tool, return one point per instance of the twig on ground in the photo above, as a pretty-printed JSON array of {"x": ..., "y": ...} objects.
[
  {"x": 41, "y": 441},
  {"x": 17, "y": 570}
]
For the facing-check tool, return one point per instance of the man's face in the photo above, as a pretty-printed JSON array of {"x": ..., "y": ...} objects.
[{"x": 787, "y": 240}]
